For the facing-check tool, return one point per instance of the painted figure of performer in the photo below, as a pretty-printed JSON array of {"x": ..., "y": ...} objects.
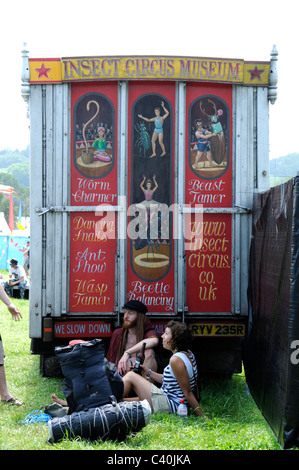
[
  {"x": 203, "y": 144},
  {"x": 100, "y": 144},
  {"x": 148, "y": 191},
  {"x": 218, "y": 145},
  {"x": 158, "y": 131}
]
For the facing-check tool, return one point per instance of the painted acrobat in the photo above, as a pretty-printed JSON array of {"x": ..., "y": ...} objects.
[
  {"x": 148, "y": 191},
  {"x": 158, "y": 131}
]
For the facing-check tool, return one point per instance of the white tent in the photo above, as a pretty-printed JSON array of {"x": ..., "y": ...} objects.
[{"x": 4, "y": 228}]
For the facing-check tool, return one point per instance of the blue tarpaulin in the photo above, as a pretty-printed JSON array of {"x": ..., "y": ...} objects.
[{"x": 11, "y": 247}]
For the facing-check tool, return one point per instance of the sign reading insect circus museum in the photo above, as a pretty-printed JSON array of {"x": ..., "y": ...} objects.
[{"x": 149, "y": 68}]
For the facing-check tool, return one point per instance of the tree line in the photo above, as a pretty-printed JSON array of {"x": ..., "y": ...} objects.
[
  {"x": 14, "y": 171},
  {"x": 287, "y": 166}
]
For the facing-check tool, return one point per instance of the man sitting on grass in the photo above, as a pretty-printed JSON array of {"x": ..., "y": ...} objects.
[
  {"x": 16, "y": 277},
  {"x": 126, "y": 342}
]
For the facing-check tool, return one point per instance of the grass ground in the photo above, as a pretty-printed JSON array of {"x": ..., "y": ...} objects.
[{"x": 235, "y": 422}]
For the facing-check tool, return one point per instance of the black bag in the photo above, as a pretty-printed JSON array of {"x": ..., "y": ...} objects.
[{"x": 89, "y": 379}]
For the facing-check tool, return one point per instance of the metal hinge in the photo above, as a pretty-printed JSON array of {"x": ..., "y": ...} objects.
[
  {"x": 216, "y": 210},
  {"x": 96, "y": 209}
]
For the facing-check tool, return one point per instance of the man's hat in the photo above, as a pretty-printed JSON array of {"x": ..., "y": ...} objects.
[
  {"x": 13, "y": 261},
  {"x": 135, "y": 305}
]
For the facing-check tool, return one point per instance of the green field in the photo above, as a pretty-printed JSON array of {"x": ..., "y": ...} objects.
[{"x": 234, "y": 423}]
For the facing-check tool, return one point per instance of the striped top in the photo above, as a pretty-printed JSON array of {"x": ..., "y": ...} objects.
[{"x": 170, "y": 386}]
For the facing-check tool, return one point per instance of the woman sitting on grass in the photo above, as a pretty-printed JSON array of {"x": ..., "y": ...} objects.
[{"x": 178, "y": 379}]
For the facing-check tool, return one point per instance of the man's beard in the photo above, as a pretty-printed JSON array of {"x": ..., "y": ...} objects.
[{"x": 127, "y": 324}]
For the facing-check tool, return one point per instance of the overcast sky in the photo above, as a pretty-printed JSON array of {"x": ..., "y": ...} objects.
[{"x": 228, "y": 29}]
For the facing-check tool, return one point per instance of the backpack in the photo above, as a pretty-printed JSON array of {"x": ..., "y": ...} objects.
[{"x": 90, "y": 380}]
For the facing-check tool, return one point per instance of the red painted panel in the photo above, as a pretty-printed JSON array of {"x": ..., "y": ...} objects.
[
  {"x": 150, "y": 260},
  {"x": 209, "y": 184},
  {"x": 93, "y": 183}
]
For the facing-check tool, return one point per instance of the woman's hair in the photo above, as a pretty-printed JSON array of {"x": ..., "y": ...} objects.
[{"x": 181, "y": 335}]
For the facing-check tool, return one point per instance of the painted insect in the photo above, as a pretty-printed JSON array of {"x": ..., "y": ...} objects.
[{"x": 143, "y": 142}]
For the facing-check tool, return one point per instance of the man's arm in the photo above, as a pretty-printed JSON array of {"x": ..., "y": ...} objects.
[
  {"x": 14, "y": 283},
  {"x": 149, "y": 344}
]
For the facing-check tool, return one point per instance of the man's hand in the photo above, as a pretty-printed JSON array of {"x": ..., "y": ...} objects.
[{"x": 122, "y": 364}]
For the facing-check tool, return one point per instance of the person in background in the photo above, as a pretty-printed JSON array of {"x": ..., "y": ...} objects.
[
  {"x": 6, "y": 397},
  {"x": 179, "y": 378},
  {"x": 126, "y": 342},
  {"x": 16, "y": 277},
  {"x": 26, "y": 250}
]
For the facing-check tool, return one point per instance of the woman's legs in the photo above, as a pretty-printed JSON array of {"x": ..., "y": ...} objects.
[
  {"x": 141, "y": 387},
  {"x": 58, "y": 400},
  {"x": 132, "y": 381}
]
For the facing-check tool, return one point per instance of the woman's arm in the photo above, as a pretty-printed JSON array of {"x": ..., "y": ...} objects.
[
  {"x": 181, "y": 374},
  {"x": 156, "y": 184},
  {"x": 142, "y": 183},
  {"x": 153, "y": 375}
]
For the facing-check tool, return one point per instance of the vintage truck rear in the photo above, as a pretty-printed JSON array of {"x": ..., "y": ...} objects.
[{"x": 126, "y": 205}]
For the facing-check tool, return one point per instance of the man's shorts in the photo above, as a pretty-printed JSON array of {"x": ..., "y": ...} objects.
[
  {"x": 159, "y": 400},
  {"x": 2, "y": 355}
]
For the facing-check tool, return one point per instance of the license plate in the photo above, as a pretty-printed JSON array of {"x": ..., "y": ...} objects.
[{"x": 217, "y": 329}]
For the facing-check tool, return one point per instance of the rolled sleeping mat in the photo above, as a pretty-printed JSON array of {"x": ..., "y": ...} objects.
[{"x": 113, "y": 421}]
